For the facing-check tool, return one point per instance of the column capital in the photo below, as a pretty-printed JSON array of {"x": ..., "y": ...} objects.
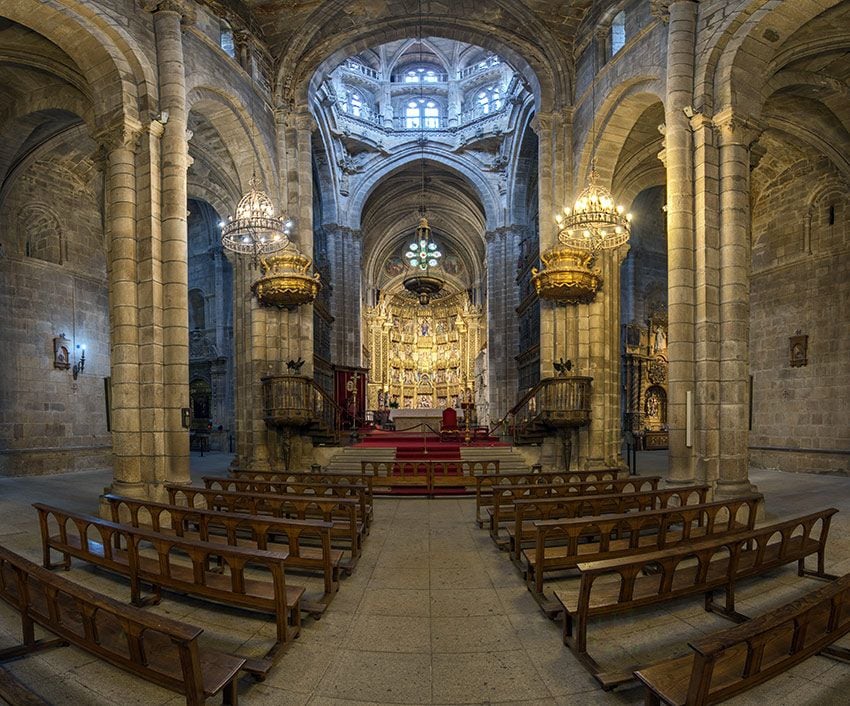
[
  {"x": 661, "y": 8},
  {"x": 182, "y": 7},
  {"x": 298, "y": 120},
  {"x": 125, "y": 134},
  {"x": 736, "y": 129}
]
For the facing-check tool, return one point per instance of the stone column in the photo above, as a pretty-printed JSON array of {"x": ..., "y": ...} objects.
[
  {"x": 168, "y": 17},
  {"x": 737, "y": 134},
  {"x": 345, "y": 248},
  {"x": 122, "y": 271},
  {"x": 678, "y": 158},
  {"x": 503, "y": 337},
  {"x": 297, "y": 171},
  {"x": 707, "y": 302}
]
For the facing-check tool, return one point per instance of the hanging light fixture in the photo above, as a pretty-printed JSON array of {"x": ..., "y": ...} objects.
[
  {"x": 285, "y": 277},
  {"x": 254, "y": 230},
  {"x": 423, "y": 255},
  {"x": 594, "y": 222}
]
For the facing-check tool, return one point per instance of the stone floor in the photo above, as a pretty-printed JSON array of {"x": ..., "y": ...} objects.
[{"x": 432, "y": 614}]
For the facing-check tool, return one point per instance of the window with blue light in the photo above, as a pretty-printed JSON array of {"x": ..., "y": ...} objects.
[{"x": 618, "y": 32}]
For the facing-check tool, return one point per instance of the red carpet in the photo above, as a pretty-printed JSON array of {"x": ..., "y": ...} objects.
[{"x": 411, "y": 447}]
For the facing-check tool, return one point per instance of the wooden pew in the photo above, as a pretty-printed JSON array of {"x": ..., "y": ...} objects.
[
  {"x": 563, "y": 507},
  {"x": 623, "y": 585},
  {"x": 560, "y": 545},
  {"x": 354, "y": 478},
  {"x": 297, "y": 487},
  {"x": 426, "y": 474},
  {"x": 505, "y": 496},
  {"x": 739, "y": 658},
  {"x": 342, "y": 512},
  {"x": 117, "y": 548},
  {"x": 484, "y": 483},
  {"x": 307, "y": 542},
  {"x": 155, "y": 648}
]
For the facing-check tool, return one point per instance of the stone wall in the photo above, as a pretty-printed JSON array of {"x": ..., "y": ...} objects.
[
  {"x": 53, "y": 282},
  {"x": 801, "y": 286}
]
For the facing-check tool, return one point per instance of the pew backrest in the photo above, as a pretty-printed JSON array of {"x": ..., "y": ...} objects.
[{"x": 156, "y": 648}]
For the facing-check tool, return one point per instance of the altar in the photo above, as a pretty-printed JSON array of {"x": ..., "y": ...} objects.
[{"x": 410, "y": 419}]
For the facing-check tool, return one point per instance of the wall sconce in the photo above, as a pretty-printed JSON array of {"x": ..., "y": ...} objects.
[{"x": 80, "y": 365}]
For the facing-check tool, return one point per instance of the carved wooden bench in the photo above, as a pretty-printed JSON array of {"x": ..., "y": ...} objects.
[
  {"x": 505, "y": 496},
  {"x": 155, "y": 648},
  {"x": 354, "y": 478},
  {"x": 622, "y": 585},
  {"x": 560, "y": 545},
  {"x": 342, "y": 512},
  {"x": 739, "y": 658},
  {"x": 118, "y": 548},
  {"x": 484, "y": 483},
  {"x": 307, "y": 542},
  {"x": 556, "y": 508},
  {"x": 296, "y": 487}
]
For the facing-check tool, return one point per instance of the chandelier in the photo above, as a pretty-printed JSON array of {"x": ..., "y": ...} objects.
[
  {"x": 255, "y": 230},
  {"x": 422, "y": 255},
  {"x": 423, "y": 252},
  {"x": 594, "y": 222}
]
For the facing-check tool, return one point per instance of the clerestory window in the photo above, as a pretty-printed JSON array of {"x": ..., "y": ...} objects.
[
  {"x": 422, "y": 113},
  {"x": 618, "y": 32},
  {"x": 489, "y": 99}
]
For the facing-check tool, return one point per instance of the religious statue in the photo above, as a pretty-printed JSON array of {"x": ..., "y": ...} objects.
[{"x": 660, "y": 339}]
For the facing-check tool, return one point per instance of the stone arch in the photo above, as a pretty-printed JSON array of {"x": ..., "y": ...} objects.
[
  {"x": 619, "y": 111},
  {"x": 412, "y": 154},
  {"x": 736, "y": 65},
  {"x": 547, "y": 70},
  {"x": 517, "y": 192},
  {"x": 64, "y": 98},
  {"x": 826, "y": 202},
  {"x": 119, "y": 76},
  {"x": 227, "y": 113},
  {"x": 41, "y": 233}
]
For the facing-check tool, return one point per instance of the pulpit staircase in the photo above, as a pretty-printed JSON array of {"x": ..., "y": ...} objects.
[{"x": 557, "y": 403}]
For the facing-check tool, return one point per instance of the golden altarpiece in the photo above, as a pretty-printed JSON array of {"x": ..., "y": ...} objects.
[
  {"x": 422, "y": 357},
  {"x": 645, "y": 372}
]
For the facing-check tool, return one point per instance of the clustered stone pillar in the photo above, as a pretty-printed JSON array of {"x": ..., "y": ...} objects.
[
  {"x": 345, "y": 249},
  {"x": 503, "y": 338},
  {"x": 678, "y": 156},
  {"x": 120, "y": 200},
  {"x": 737, "y": 134},
  {"x": 168, "y": 19}
]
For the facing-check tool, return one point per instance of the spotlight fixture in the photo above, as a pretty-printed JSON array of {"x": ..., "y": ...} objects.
[{"x": 80, "y": 365}]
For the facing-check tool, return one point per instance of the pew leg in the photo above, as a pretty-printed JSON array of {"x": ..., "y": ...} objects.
[
  {"x": 821, "y": 570},
  {"x": 230, "y": 693},
  {"x": 727, "y": 610},
  {"x": 650, "y": 698}
]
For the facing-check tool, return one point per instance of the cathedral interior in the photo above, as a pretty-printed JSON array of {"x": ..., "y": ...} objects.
[{"x": 420, "y": 249}]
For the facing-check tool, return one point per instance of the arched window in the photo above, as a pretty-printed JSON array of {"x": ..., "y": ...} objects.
[
  {"x": 488, "y": 99},
  {"x": 618, "y": 32},
  {"x": 225, "y": 39},
  {"x": 356, "y": 102},
  {"x": 422, "y": 113},
  {"x": 421, "y": 74}
]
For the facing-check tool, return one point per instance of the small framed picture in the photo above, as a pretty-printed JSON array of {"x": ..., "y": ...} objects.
[
  {"x": 799, "y": 351},
  {"x": 61, "y": 355}
]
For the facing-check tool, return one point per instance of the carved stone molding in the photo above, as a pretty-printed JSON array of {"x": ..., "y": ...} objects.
[
  {"x": 185, "y": 9},
  {"x": 735, "y": 129}
]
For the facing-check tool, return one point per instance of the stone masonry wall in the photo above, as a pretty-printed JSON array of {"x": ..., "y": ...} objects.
[
  {"x": 801, "y": 285},
  {"x": 49, "y": 422}
]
